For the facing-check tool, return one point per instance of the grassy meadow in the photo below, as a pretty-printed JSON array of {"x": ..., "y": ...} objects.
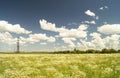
[{"x": 59, "y": 65}]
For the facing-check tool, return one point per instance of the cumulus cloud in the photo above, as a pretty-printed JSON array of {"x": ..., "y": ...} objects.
[
  {"x": 112, "y": 41},
  {"x": 33, "y": 38},
  {"x": 82, "y": 27},
  {"x": 50, "y": 26},
  {"x": 70, "y": 36},
  {"x": 109, "y": 29},
  {"x": 69, "y": 41},
  {"x": 90, "y": 13},
  {"x": 73, "y": 33},
  {"x": 6, "y": 37},
  {"x": 64, "y": 33},
  {"x": 86, "y": 45},
  {"x": 67, "y": 35},
  {"x": 7, "y": 27},
  {"x": 95, "y": 35},
  {"x": 80, "y": 32},
  {"x": 97, "y": 42},
  {"x": 47, "y": 25}
]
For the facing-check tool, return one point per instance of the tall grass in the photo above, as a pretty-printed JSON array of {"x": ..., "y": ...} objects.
[{"x": 59, "y": 65}]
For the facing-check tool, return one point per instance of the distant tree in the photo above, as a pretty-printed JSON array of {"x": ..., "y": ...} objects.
[
  {"x": 118, "y": 51},
  {"x": 105, "y": 50},
  {"x": 81, "y": 52},
  {"x": 97, "y": 51},
  {"x": 90, "y": 51},
  {"x": 75, "y": 50},
  {"x": 113, "y": 51}
]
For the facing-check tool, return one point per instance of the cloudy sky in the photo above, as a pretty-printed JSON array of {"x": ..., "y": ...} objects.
[{"x": 50, "y": 25}]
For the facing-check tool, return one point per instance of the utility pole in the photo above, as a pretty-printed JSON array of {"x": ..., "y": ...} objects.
[{"x": 18, "y": 45}]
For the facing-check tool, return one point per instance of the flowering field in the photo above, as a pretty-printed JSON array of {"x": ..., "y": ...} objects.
[{"x": 59, "y": 65}]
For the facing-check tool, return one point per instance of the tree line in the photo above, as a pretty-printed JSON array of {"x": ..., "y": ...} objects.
[{"x": 76, "y": 51}]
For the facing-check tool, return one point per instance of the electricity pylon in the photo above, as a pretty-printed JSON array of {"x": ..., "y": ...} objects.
[{"x": 18, "y": 45}]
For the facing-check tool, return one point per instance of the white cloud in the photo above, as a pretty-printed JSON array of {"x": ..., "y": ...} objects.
[
  {"x": 7, "y": 27},
  {"x": 112, "y": 41},
  {"x": 115, "y": 41},
  {"x": 51, "y": 39},
  {"x": 109, "y": 29},
  {"x": 95, "y": 43},
  {"x": 97, "y": 40},
  {"x": 90, "y": 13},
  {"x": 73, "y": 33},
  {"x": 72, "y": 23},
  {"x": 50, "y": 26},
  {"x": 33, "y": 38},
  {"x": 67, "y": 35},
  {"x": 101, "y": 8},
  {"x": 95, "y": 35},
  {"x": 86, "y": 45},
  {"x": 82, "y": 27},
  {"x": 43, "y": 43},
  {"x": 104, "y": 7},
  {"x": 80, "y": 32},
  {"x": 47, "y": 25},
  {"x": 97, "y": 17},
  {"x": 70, "y": 36},
  {"x": 69, "y": 41},
  {"x": 90, "y": 22},
  {"x": 7, "y": 38},
  {"x": 63, "y": 32}
]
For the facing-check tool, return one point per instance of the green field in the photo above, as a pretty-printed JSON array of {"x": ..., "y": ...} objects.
[{"x": 59, "y": 65}]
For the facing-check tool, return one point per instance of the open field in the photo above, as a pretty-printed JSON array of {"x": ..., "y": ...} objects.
[{"x": 59, "y": 65}]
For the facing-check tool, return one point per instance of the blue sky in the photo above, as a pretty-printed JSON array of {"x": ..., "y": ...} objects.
[{"x": 48, "y": 25}]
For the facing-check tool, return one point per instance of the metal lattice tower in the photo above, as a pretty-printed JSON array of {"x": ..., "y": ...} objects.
[{"x": 18, "y": 45}]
